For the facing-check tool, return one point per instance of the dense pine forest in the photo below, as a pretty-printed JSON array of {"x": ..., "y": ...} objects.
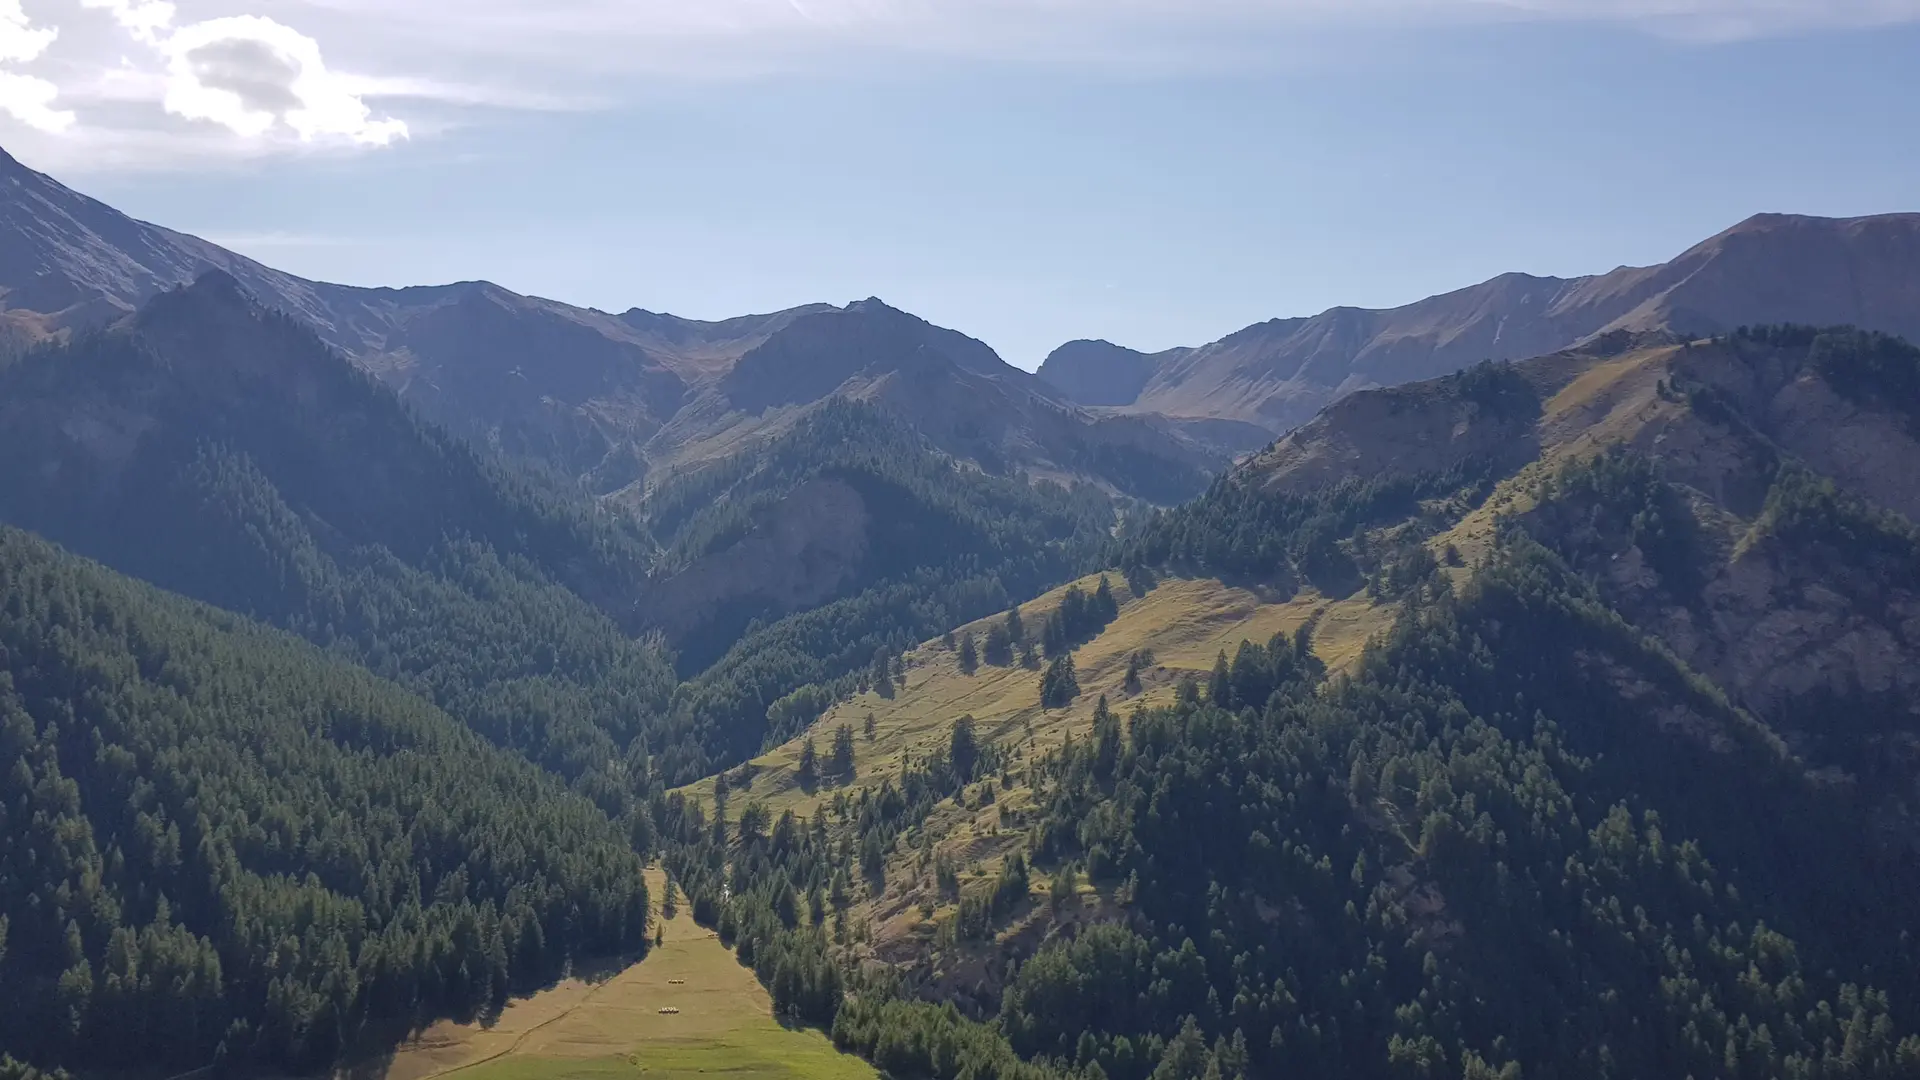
[
  {"x": 220, "y": 451},
  {"x": 1522, "y": 837},
  {"x": 1474, "y": 857},
  {"x": 219, "y": 843},
  {"x": 398, "y": 740}
]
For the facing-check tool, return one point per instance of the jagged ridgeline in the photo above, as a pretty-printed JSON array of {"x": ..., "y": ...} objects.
[
  {"x": 218, "y": 843},
  {"x": 1627, "y": 790}
]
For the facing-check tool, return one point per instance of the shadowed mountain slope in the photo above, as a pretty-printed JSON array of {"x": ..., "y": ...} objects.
[{"x": 606, "y": 398}]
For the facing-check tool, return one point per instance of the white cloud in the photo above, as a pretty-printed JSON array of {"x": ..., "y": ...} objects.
[
  {"x": 20, "y": 40},
  {"x": 27, "y": 98},
  {"x": 129, "y": 81},
  {"x": 30, "y": 101},
  {"x": 250, "y": 74},
  {"x": 146, "y": 20},
  {"x": 112, "y": 80}
]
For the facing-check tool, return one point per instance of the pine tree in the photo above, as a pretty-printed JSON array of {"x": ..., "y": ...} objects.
[
  {"x": 841, "y": 764},
  {"x": 868, "y": 727},
  {"x": 1065, "y": 887},
  {"x": 1016, "y": 631},
  {"x": 962, "y": 751},
  {"x": 1220, "y": 684},
  {"x": 999, "y": 650},
  {"x": 809, "y": 770},
  {"x": 1105, "y": 607},
  {"x": 969, "y": 654},
  {"x": 1106, "y": 737},
  {"x": 1059, "y": 686}
]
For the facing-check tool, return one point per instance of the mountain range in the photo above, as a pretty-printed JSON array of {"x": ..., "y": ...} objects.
[
  {"x": 1549, "y": 718},
  {"x": 617, "y": 400},
  {"x": 611, "y": 399},
  {"x": 1777, "y": 268}
]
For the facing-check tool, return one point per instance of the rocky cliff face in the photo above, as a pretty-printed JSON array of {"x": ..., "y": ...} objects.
[
  {"x": 1748, "y": 503},
  {"x": 798, "y": 554}
]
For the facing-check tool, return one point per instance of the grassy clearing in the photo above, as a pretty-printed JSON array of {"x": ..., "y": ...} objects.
[
  {"x": 1612, "y": 401},
  {"x": 611, "y": 1027},
  {"x": 1186, "y": 623}
]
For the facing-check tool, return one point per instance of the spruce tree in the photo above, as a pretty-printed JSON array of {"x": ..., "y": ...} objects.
[
  {"x": 962, "y": 751},
  {"x": 809, "y": 770},
  {"x": 1220, "y": 684},
  {"x": 841, "y": 763},
  {"x": 999, "y": 650},
  {"x": 1059, "y": 686}
]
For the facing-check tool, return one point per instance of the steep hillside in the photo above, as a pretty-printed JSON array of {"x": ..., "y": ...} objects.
[
  {"x": 1102, "y": 373},
  {"x": 1747, "y": 501},
  {"x": 1621, "y": 782},
  {"x": 1863, "y": 272},
  {"x": 218, "y": 449},
  {"x": 1181, "y": 624},
  {"x": 837, "y": 546},
  {"x": 608, "y": 399},
  {"x": 221, "y": 845}
]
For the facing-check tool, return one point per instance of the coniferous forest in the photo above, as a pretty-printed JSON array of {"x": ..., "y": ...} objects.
[
  {"x": 220, "y": 843},
  {"x": 317, "y": 724}
]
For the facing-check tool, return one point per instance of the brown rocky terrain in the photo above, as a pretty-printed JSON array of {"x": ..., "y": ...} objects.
[
  {"x": 1771, "y": 268},
  {"x": 1771, "y": 544}
]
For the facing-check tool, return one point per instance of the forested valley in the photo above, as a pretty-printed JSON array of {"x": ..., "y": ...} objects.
[
  {"x": 401, "y": 743},
  {"x": 1522, "y": 836}
]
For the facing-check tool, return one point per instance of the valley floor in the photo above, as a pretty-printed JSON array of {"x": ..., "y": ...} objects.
[{"x": 613, "y": 1027}]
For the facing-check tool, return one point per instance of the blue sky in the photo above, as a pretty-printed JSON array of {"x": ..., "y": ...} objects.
[{"x": 1027, "y": 172}]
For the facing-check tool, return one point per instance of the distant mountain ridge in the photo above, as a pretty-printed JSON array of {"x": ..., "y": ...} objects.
[
  {"x": 1770, "y": 268},
  {"x": 607, "y": 398}
]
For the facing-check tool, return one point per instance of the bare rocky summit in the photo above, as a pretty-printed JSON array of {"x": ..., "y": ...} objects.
[{"x": 1772, "y": 268}]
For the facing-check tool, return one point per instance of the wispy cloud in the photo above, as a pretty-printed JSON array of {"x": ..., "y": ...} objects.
[
  {"x": 113, "y": 79},
  {"x": 596, "y": 30}
]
